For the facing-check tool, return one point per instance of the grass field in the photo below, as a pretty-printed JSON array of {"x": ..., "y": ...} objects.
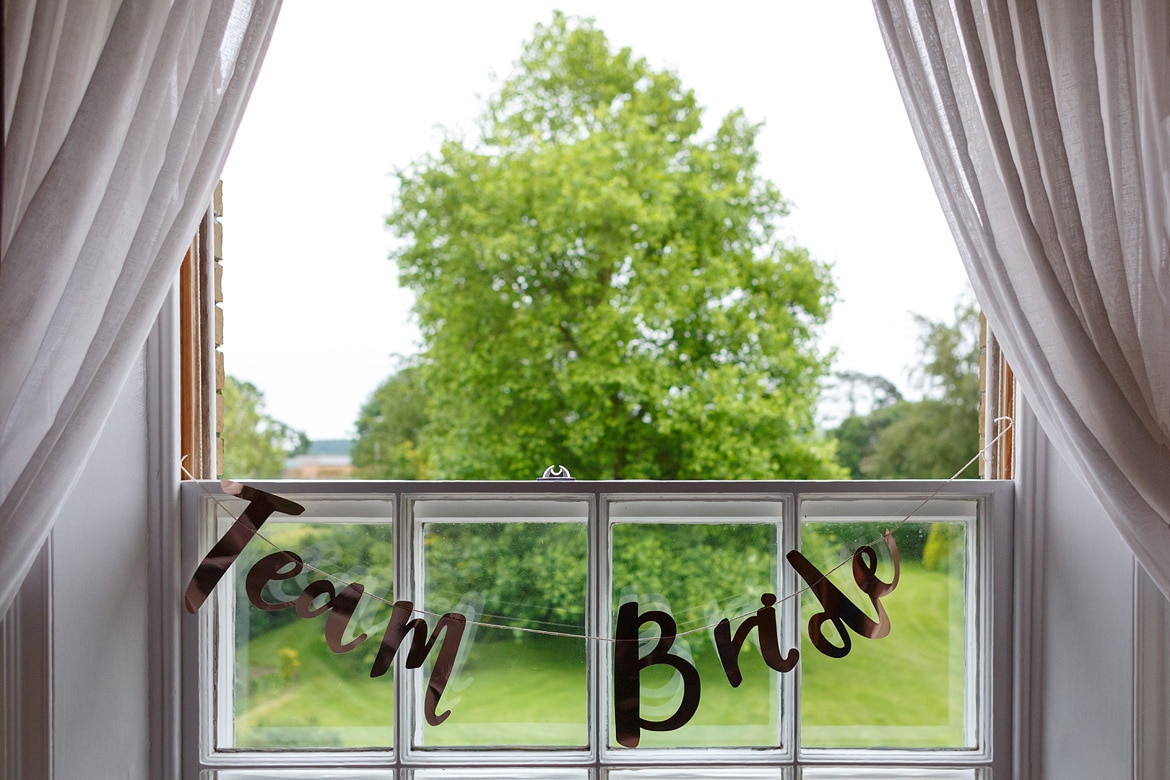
[
  {"x": 904, "y": 690},
  {"x": 327, "y": 701}
]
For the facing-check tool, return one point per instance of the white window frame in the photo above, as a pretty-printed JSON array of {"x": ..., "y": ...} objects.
[{"x": 991, "y": 624}]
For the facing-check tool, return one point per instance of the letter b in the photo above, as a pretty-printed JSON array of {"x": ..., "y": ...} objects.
[{"x": 627, "y": 668}]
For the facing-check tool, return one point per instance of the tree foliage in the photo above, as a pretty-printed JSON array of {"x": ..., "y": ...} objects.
[
  {"x": 599, "y": 284},
  {"x": 256, "y": 445},
  {"x": 531, "y": 575},
  {"x": 855, "y": 434},
  {"x": 389, "y": 427},
  {"x": 931, "y": 438},
  {"x": 350, "y": 552}
]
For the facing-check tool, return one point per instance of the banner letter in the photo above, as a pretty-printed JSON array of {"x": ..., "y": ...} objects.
[
  {"x": 216, "y": 563},
  {"x": 627, "y": 668}
]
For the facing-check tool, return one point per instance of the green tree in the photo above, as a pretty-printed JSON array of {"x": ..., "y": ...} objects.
[
  {"x": 856, "y": 434},
  {"x": 256, "y": 445},
  {"x": 931, "y": 438},
  {"x": 389, "y": 426},
  {"x": 600, "y": 285}
]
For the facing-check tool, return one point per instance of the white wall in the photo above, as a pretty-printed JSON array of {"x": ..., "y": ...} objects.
[
  {"x": 92, "y": 685},
  {"x": 1076, "y": 585},
  {"x": 101, "y": 607}
]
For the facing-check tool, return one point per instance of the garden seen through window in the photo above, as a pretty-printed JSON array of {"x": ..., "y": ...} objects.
[
  {"x": 541, "y": 573},
  {"x": 623, "y": 252}
]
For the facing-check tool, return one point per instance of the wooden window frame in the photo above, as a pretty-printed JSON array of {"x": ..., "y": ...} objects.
[{"x": 200, "y": 337}]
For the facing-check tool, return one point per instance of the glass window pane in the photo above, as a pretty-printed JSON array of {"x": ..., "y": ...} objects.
[
  {"x": 289, "y": 688},
  {"x": 699, "y": 562},
  {"x": 891, "y": 773},
  {"x": 517, "y": 568},
  {"x": 510, "y": 773},
  {"x": 679, "y": 773},
  {"x": 297, "y": 774},
  {"x": 520, "y": 568},
  {"x": 912, "y": 688}
]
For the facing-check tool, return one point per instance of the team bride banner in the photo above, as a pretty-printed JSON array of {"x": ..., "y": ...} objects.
[{"x": 628, "y": 663}]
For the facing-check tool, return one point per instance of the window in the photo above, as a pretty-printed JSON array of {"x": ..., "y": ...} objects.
[
  {"x": 583, "y": 562},
  {"x": 272, "y": 699},
  {"x": 861, "y": 197}
]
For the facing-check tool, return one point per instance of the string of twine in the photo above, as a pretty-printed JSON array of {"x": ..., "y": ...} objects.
[{"x": 565, "y": 634}]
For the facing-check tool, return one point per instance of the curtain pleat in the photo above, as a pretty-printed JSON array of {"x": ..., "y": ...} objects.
[
  {"x": 118, "y": 118},
  {"x": 1046, "y": 131}
]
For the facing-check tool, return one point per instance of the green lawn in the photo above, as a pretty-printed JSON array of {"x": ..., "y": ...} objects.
[
  {"x": 906, "y": 689},
  {"x": 901, "y": 691},
  {"x": 328, "y": 700}
]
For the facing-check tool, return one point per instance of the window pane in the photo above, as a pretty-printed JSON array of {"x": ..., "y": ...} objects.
[
  {"x": 911, "y": 688},
  {"x": 297, "y": 774},
  {"x": 288, "y": 689},
  {"x": 523, "y": 674},
  {"x": 894, "y": 773},
  {"x": 512, "y": 565},
  {"x": 699, "y": 562},
  {"x": 724, "y": 773},
  {"x": 510, "y": 773}
]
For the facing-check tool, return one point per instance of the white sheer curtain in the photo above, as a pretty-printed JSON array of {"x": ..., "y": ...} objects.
[
  {"x": 117, "y": 119},
  {"x": 1046, "y": 129}
]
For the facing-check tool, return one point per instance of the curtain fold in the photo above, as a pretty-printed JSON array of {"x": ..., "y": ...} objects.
[
  {"x": 1046, "y": 131},
  {"x": 117, "y": 120}
]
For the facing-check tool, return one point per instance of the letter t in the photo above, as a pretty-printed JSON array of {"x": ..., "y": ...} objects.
[{"x": 260, "y": 506}]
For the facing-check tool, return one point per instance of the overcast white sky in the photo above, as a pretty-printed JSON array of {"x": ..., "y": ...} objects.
[{"x": 351, "y": 91}]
